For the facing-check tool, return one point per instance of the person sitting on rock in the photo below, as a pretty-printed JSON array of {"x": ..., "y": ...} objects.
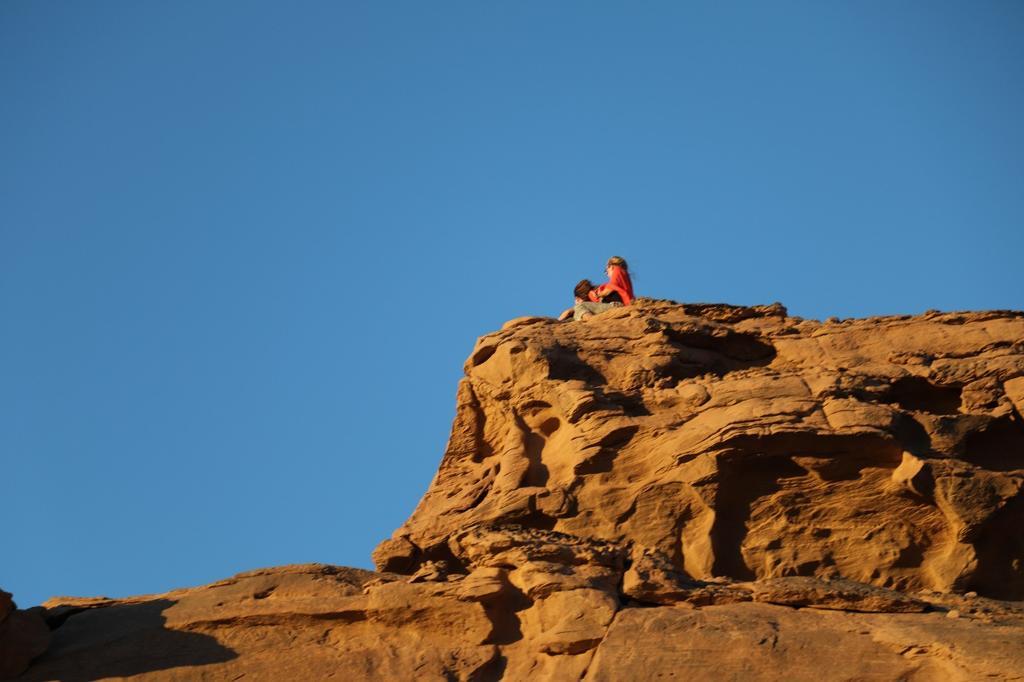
[
  {"x": 619, "y": 286},
  {"x": 589, "y": 302}
]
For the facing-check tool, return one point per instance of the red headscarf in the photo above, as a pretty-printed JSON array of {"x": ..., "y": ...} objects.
[{"x": 619, "y": 282}]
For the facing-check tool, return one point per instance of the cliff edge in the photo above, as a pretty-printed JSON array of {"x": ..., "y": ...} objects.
[
  {"x": 704, "y": 491},
  {"x": 743, "y": 443}
]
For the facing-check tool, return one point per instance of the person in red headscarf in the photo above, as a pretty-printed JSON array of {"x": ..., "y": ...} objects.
[
  {"x": 618, "y": 288},
  {"x": 591, "y": 300}
]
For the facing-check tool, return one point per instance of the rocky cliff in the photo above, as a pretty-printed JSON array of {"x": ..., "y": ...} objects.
[
  {"x": 703, "y": 491},
  {"x": 742, "y": 443}
]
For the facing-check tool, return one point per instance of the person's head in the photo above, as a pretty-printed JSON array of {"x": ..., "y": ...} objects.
[
  {"x": 616, "y": 262},
  {"x": 582, "y": 289}
]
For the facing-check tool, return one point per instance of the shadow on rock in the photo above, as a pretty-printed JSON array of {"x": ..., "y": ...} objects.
[{"x": 120, "y": 641}]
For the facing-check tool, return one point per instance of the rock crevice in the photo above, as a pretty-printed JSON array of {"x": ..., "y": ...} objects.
[{"x": 747, "y": 444}]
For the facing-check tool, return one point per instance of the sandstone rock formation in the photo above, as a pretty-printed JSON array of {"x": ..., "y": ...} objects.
[
  {"x": 23, "y": 636},
  {"x": 548, "y": 619},
  {"x": 664, "y": 490},
  {"x": 743, "y": 443}
]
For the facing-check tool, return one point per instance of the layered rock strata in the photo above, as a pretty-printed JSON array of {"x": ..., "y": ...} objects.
[
  {"x": 745, "y": 443},
  {"x": 663, "y": 490},
  {"x": 534, "y": 605}
]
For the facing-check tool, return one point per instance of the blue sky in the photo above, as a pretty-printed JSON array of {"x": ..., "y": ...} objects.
[{"x": 245, "y": 247}]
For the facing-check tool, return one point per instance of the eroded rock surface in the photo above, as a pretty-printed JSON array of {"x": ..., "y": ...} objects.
[
  {"x": 542, "y": 606},
  {"x": 664, "y": 490},
  {"x": 744, "y": 443},
  {"x": 300, "y": 622}
]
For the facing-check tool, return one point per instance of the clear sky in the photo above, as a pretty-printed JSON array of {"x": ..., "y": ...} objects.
[{"x": 245, "y": 247}]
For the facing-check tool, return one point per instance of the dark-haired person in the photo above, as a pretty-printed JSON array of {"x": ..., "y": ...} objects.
[{"x": 589, "y": 302}]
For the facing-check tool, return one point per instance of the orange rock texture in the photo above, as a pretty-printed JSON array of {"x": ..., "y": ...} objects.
[
  {"x": 743, "y": 443},
  {"x": 663, "y": 490}
]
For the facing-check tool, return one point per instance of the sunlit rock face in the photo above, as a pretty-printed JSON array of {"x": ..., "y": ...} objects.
[
  {"x": 706, "y": 492},
  {"x": 747, "y": 444}
]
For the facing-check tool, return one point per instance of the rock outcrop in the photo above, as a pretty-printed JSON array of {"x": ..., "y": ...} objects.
[
  {"x": 23, "y": 636},
  {"x": 743, "y": 443},
  {"x": 550, "y": 618},
  {"x": 697, "y": 491}
]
